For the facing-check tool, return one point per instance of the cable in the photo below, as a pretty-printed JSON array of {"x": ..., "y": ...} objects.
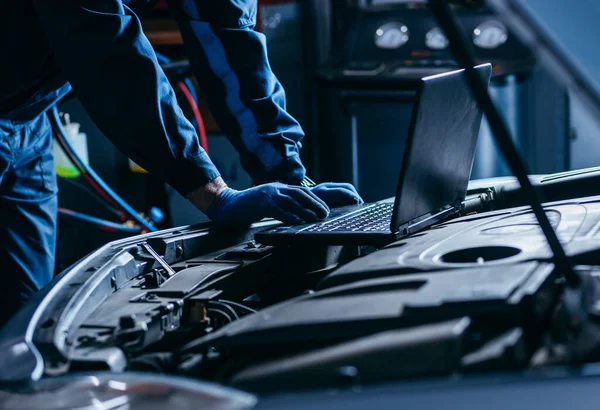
[
  {"x": 92, "y": 194},
  {"x": 186, "y": 86},
  {"x": 74, "y": 158},
  {"x": 239, "y": 305},
  {"x": 162, "y": 59},
  {"x": 227, "y": 307},
  {"x": 196, "y": 111},
  {"x": 90, "y": 175},
  {"x": 70, "y": 152},
  {"x": 190, "y": 85},
  {"x": 101, "y": 223},
  {"x": 464, "y": 56},
  {"x": 227, "y": 317}
]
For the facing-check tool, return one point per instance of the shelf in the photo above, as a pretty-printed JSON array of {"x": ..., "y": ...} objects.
[{"x": 162, "y": 32}]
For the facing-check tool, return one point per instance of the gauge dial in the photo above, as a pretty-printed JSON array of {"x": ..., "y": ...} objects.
[
  {"x": 391, "y": 36},
  {"x": 436, "y": 39},
  {"x": 490, "y": 35}
]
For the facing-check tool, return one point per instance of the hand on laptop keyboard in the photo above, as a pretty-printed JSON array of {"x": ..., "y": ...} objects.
[
  {"x": 288, "y": 204},
  {"x": 337, "y": 194}
]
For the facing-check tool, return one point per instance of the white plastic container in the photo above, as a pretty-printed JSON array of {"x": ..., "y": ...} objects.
[{"x": 78, "y": 140}]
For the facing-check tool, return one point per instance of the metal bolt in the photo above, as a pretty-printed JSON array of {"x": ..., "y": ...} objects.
[{"x": 179, "y": 251}]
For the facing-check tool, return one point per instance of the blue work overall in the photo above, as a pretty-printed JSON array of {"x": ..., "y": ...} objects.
[{"x": 97, "y": 47}]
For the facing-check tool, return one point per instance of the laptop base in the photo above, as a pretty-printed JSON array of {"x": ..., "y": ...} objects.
[{"x": 295, "y": 235}]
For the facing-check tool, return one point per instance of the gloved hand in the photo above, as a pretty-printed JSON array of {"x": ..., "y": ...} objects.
[
  {"x": 337, "y": 194},
  {"x": 288, "y": 204}
]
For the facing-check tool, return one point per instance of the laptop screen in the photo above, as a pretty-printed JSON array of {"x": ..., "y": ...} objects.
[
  {"x": 563, "y": 35},
  {"x": 440, "y": 147}
]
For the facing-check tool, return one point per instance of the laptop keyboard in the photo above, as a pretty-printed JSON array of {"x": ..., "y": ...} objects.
[{"x": 375, "y": 219}]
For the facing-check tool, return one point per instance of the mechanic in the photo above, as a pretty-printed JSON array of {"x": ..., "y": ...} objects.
[{"x": 98, "y": 48}]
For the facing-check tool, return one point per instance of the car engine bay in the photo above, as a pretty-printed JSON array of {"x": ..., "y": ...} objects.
[{"x": 474, "y": 295}]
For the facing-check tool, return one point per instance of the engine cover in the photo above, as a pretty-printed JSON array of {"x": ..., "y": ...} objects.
[{"x": 492, "y": 239}]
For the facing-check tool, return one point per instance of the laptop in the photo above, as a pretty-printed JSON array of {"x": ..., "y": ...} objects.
[{"x": 434, "y": 173}]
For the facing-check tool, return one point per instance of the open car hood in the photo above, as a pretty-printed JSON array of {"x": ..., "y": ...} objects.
[{"x": 475, "y": 295}]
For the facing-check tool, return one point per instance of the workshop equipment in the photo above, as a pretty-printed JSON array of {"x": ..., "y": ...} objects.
[{"x": 366, "y": 90}]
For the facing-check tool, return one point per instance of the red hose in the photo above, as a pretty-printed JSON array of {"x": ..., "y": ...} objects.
[
  {"x": 100, "y": 223},
  {"x": 104, "y": 195},
  {"x": 200, "y": 124}
]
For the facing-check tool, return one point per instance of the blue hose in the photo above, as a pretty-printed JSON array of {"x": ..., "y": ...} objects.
[
  {"x": 88, "y": 170},
  {"x": 192, "y": 89},
  {"x": 162, "y": 58},
  {"x": 100, "y": 222}
]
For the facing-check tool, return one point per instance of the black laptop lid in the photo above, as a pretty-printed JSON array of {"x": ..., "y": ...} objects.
[{"x": 440, "y": 147}]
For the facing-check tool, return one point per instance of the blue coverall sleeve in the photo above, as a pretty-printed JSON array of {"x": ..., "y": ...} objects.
[
  {"x": 230, "y": 62},
  {"x": 100, "y": 47}
]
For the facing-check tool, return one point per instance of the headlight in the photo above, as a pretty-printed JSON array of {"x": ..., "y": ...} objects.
[{"x": 122, "y": 391}]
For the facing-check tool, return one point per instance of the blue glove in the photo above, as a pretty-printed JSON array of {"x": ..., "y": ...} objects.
[
  {"x": 337, "y": 194},
  {"x": 288, "y": 204}
]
